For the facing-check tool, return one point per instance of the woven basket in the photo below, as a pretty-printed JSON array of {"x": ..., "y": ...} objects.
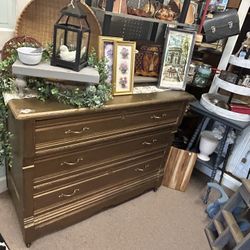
[
  {"x": 15, "y": 42},
  {"x": 38, "y": 18}
]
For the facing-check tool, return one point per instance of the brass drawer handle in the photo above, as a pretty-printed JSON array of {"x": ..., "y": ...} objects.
[
  {"x": 156, "y": 117},
  {"x": 150, "y": 143},
  {"x": 123, "y": 117},
  {"x": 142, "y": 169},
  {"x": 76, "y": 132},
  {"x": 69, "y": 195},
  {"x": 72, "y": 163},
  {"x": 146, "y": 143}
]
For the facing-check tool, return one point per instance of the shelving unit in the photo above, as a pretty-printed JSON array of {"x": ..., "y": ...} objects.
[
  {"x": 144, "y": 19},
  {"x": 217, "y": 158},
  {"x": 138, "y": 22},
  {"x": 230, "y": 87},
  {"x": 206, "y": 99},
  {"x": 212, "y": 161},
  {"x": 236, "y": 61}
]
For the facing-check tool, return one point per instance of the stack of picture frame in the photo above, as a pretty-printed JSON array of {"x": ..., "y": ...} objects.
[
  {"x": 175, "y": 61},
  {"x": 120, "y": 61}
]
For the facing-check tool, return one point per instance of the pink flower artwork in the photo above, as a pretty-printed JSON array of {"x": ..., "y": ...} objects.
[
  {"x": 123, "y": 67},
  {"x": 123, "y": 82},
  {"x": 124, "y": 53}
]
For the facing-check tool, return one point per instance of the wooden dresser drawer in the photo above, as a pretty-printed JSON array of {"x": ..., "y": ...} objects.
[
  {"x": 49, "y": 182},
  {"x": 120, "y": 173},
  {"x": 70, "y": 163},
  {"x": 87, "y": 157},
  {"x": 64, "y": 131}
]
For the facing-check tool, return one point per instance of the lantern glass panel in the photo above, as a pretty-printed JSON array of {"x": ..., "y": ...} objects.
[
  {"x": 84, "y": 46},
  {"x": 69, "y": 40}
]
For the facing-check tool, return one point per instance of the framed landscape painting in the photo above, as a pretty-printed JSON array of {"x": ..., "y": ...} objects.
[{"x": 178, "y": 49}]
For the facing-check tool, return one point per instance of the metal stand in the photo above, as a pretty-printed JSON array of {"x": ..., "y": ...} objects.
[
  {"x": 217, "y": 162},
  {"x": 229, "y": 125}
]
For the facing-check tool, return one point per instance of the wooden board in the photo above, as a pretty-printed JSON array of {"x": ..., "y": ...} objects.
[{"x": 178, "y": 169}]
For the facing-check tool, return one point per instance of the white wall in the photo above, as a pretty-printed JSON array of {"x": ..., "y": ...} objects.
[
  {"x": 20, "y": 6},
  {"x": 9, "y": 13}
]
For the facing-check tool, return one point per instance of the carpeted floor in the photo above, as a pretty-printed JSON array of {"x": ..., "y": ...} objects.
[{"x": 165, "y": 220}]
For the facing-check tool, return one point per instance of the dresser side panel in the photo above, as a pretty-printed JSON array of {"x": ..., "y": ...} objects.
[{"x": 20, "y": 174}]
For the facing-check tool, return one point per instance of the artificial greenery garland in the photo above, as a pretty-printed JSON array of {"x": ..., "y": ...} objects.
[
  {"x": 6, "y": 85},
  {"x": 92, "y": 96}
]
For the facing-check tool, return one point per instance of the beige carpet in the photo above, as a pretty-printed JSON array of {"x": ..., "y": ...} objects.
[{"x": 165, "y": 220}]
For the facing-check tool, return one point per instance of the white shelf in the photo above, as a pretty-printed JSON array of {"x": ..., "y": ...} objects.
[
  {"x": 240, "y": 62},
  {"x": 233, "y": 88},
  {"x": 205, "y": 102},
  {"x": 45, "y": 70}
]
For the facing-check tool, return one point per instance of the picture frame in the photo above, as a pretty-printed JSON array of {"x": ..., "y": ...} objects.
[
  {"x": 176, "y": 58},
  {"x": 106, "y": 49},
  {"x": 124, "y": 63}
]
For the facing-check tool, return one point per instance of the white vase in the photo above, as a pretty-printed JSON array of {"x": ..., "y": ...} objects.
[{"x": 208, "y": 143}]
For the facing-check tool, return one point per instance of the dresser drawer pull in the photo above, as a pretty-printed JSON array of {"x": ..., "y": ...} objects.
[
  {"x": 142, "y": 169},
  {"x": 72, "y": 163},
  {"x": 69, "y": 195},
  {"x": 76, "y": 132},
  {"x": 156, "y": 117},
  {"x": 149, "y": 143}
]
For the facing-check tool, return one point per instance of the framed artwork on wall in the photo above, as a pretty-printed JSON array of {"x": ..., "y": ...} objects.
[
  {"x": 106, "y": 50},
  {"x": 124, "y": 63},
  {"x": 178, "y": 49}
]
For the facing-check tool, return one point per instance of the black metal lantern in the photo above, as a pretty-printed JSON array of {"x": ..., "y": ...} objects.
[{"x": 71, "y": 38}]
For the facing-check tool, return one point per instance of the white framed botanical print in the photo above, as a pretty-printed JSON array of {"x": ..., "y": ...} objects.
[
  {"x": 106, "y": 50},
  {"x": 178, "y": 49},
  {"x": 124, "y": 63}
]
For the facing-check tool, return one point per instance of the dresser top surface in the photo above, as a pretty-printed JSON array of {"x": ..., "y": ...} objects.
[{"x": 34, "y": 109}]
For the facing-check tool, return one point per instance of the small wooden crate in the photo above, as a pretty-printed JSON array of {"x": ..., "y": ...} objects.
[{"x": 178, "y": 169}]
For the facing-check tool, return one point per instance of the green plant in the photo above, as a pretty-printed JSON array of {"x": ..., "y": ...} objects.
[{"x": 92, "y": 96}]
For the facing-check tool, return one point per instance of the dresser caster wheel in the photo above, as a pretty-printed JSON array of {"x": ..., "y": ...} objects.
[
  {"x": 155, "y": 189},
  {"x": 28, "y": 245}
]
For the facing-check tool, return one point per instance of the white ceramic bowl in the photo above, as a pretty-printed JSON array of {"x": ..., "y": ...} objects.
[{"x": 29, "y": 55}]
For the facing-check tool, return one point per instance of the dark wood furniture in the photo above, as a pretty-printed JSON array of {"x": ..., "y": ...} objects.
[{"x": 70, "y": 163}]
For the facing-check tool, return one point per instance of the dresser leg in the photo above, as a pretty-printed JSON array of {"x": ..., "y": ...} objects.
[
  {"x": 28, "y": 245},
  {"x": 155, "y": 189}
]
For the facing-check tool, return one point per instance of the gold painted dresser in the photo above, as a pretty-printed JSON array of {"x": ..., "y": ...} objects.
[{"x": 69, "y": 164}]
